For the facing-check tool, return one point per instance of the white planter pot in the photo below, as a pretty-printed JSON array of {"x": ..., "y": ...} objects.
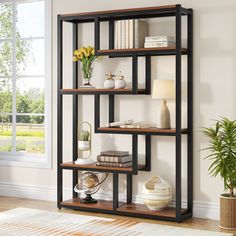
[
  {"x": 109, "y": 83},
  {"x": 84, "y": 145},
  {"x": 156, "y": 193}
]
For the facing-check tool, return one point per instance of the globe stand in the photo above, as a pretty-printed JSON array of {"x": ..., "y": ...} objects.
[{"x": 88, "y": 199}]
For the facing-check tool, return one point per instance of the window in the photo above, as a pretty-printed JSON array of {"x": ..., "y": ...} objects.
[{"x": 25, "y": 82}]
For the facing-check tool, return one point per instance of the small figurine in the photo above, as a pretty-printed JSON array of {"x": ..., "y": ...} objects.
[
  {"x": 120, "y": 83},
  {"x": 109, "y": 83}
]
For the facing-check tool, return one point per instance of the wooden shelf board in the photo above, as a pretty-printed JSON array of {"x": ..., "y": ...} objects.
[
  {"x": 141, "y": 130},
  {"x": 143, "y": 210},
  {"x": 140, "y": 50},
  {"x": 120, "y": 11},
  {"x": 72, "y": 165},
  {"x": 100, "y": 91},
  {"x": 101, "y": 204}
]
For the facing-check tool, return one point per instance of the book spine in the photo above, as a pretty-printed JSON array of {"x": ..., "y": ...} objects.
[
  {"x": 127, "y": 34},
  {"x": 131, "y": 33},
  {"x": 159, "y": 39},
  {"x": 135, "y": 33},
  {"x": 122, "y": 165},
  {"x": 116, "y": 35},
  {"x": 119, "y": 38},
  {"x": 158, "y": 44},
  {"x": 123, "y": 32}
]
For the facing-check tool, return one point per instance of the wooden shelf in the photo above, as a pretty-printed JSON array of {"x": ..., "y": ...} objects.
[
  {"x": 165, "y": 51},
  {"x": 141, "y": 209},
  {"x": 75, "y": 203},
  {"x": 101, "y": 91},
  {"x": 152, "y": 131},
  {"x": 94, "y": 167}
]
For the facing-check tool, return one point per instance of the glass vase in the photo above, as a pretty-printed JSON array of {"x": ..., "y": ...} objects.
[{"x": 87, "y": 71}]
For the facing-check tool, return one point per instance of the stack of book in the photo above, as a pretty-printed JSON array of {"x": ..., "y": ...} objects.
[
  {"x": 114, "y": 159},
  {"x": 159, "y": 41},
  {"x": 130, "y": 33}
]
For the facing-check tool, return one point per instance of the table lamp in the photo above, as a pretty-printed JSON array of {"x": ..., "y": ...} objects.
[{"x": 164, "y": 89}]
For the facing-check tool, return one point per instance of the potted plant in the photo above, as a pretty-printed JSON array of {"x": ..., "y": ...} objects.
[
  {"x": 84, "y": 141},
  {"x": 222, "y": 147},
  {"x": 87, "y": 58}
]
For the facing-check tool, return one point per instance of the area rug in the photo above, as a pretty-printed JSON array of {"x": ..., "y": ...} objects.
[{"x": 32, "y": 222}]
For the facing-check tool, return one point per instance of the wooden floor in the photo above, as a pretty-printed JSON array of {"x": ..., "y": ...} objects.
[{"x": 7, "y": 203}]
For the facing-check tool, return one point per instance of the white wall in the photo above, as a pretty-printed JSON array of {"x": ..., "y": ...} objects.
[{"x": 214, "y": 85}]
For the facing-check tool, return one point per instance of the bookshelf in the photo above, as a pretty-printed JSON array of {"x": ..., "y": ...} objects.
[{"x": 177, "y": 213}]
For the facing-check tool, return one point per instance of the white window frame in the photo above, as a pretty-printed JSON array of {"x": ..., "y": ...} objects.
[{"x": 29, "y": 159}]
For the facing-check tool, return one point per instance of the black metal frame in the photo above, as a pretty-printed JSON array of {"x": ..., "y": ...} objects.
[{"x": 176, "y": 12}]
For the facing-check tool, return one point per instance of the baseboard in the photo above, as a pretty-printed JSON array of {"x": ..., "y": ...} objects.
[{"x": 207, "y": 210}]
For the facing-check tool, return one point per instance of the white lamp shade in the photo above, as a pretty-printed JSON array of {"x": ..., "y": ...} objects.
[{"x": 163, "y": 89}]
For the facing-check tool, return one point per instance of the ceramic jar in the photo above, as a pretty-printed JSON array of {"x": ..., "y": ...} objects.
[
  {"x": 156, "y": 193},
  {"x": 84, "y": 145},
  {"x": 120, "y": 83},
  {"x": 109, "y": 83}
]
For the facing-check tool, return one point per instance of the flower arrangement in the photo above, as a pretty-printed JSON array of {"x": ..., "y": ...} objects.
[{"x": 87, "y": 57}]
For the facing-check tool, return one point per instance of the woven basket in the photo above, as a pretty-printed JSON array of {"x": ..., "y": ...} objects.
[{"x": 227, "y": 212}]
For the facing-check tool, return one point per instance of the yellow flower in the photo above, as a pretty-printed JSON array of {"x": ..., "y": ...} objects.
[
  {"x": 83, "y": 50},
  {"x": 76, "y": 52},
  {"x": 80, "y": 55},
  {"x": 75, "y": 58},
  {"x": 92, "y": 52}
]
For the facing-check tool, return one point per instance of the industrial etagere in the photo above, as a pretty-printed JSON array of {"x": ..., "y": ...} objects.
[{"x": 128, "y": 208}]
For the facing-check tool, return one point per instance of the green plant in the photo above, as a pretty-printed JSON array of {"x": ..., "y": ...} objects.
[
  {"x": 222, "y": 138},
  {"x": 84, "y": 135}
]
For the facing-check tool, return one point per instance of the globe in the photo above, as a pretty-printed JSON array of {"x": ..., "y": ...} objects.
[{"x": 89, "y": 183}]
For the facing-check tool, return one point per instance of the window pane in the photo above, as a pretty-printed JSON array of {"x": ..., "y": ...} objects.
[
  {"x": 30, "y": 95},
  {"x": 5, "y": 95},
  {"x": 5, "y": 133},
  {"x": 5, "y": 21},
  {"x": 30, "y": 57},
  {"x": 30, "y": 134},
  {"x": 30, "y": 19},
  {"x": 5, "y": 58}
]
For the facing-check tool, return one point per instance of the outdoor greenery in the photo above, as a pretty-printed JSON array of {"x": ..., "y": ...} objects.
[
  {"x": 222, "y": 147},
  {"x": 28, "y": 138}
]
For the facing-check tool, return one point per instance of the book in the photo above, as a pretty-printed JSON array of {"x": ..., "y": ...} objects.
[
  {"x": 114, "y": 153},
  {"x": 123, "y": 34},
  {"x": 118, "y": 123},
  {"x": 114, "y": 159},
  {"x": 127, "y": 34},
  {"x": 140, "y": 32},
  {"x": 159, "y": 38},
  {"x": 111, "y": 164},
  {"x": 136, "y": 125},
  {"x": 119, "y": 36},
  {"x": 116, "y": 35},
  {"x": 158, "y": 44},
  {"x": 131, "y": 33}
]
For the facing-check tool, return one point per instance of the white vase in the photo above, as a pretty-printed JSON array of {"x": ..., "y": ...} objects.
[
  {"x": 156, "y": 193},
  {"x": 84, "y": 145},
  {"x": 109, "y": 83},
  {"x": 120, "y": 84}
]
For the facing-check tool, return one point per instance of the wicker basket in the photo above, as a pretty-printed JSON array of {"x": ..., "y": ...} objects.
[{"x": 227, "y": 212}]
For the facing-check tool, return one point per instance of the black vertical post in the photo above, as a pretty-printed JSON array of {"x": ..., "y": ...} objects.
[
  {"x": 148, "y": 78},
  {"x": 59, "y": 111},
  {"x": 115, "y": 191},
  {"x": 148, "y": 157},
  {"x": 134, "y": 74},
  {"x": 129, "y": 188},
  {"x": 96, "y": 34},
  {"x": 75, "y": 109},
  {"x": 111, "y": 107},
  {"x": 111, "y": 34},
  {"x": 178, "y": 112},
  {"x": 96, "y": 112},
  {"x": 190, "y": 113},
  {"x": 135, "y": 153}
]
